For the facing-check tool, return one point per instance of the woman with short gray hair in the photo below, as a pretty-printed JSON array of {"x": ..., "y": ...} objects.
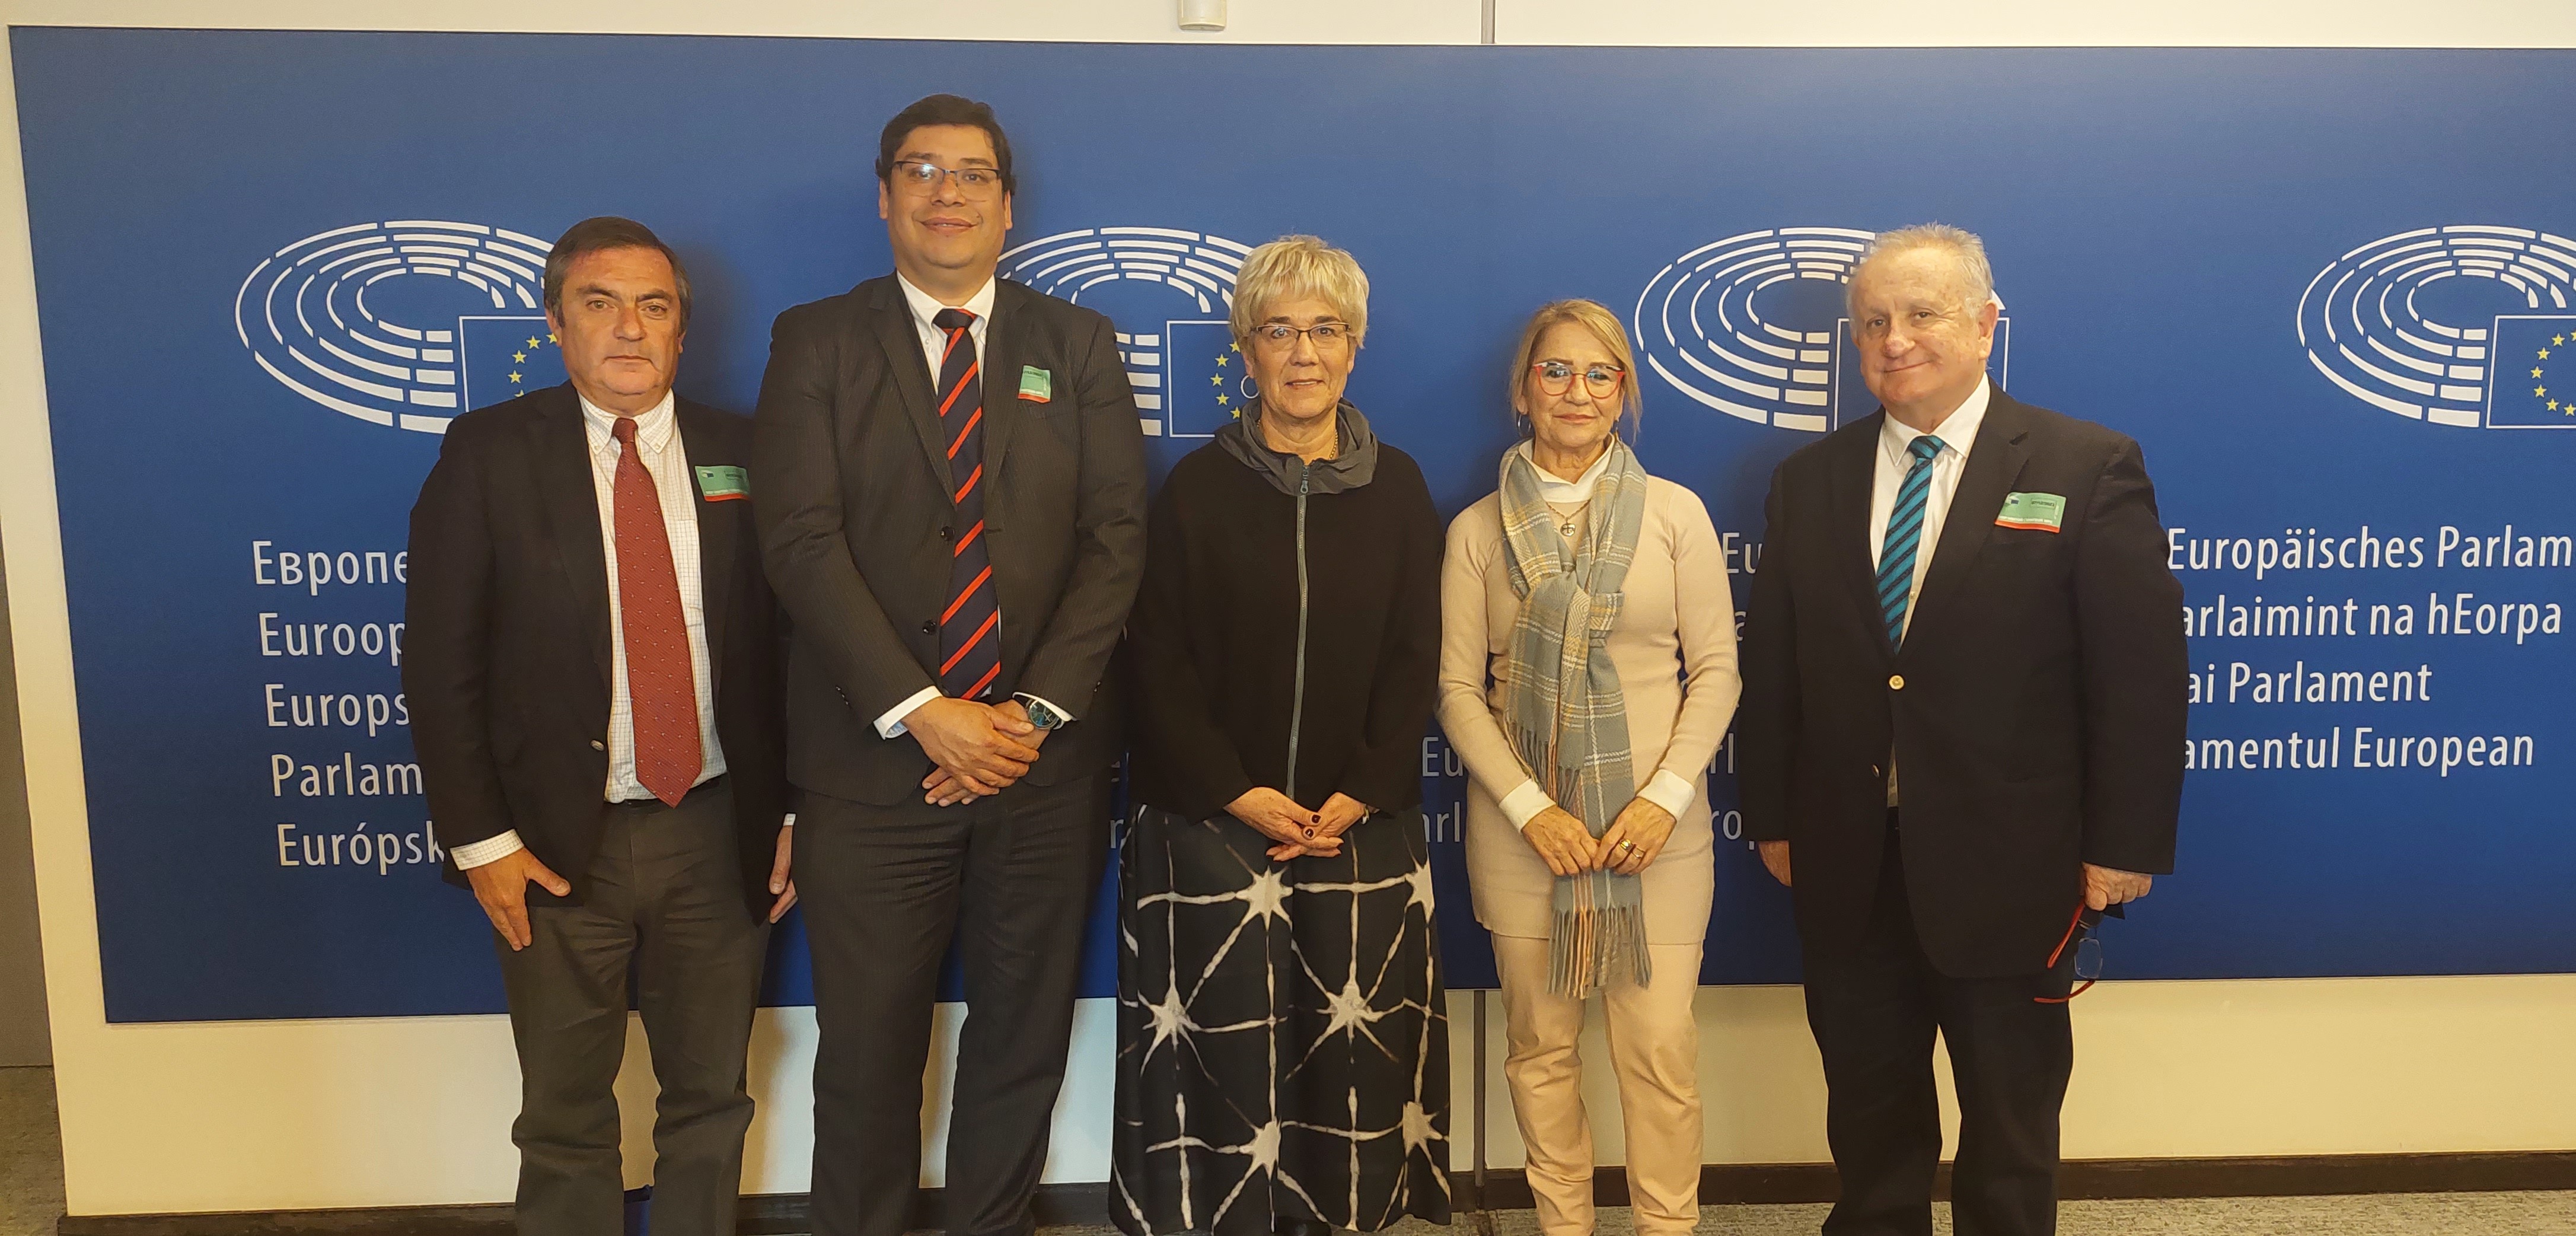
[{"x": 1283, "y": 1056}]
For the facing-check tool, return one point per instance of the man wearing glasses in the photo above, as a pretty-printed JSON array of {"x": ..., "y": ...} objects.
[
  {"x": 1962, "y": 731},
  {"x": 952, "y": 510}
]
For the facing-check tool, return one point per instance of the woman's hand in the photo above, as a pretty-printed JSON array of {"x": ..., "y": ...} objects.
[
  {"x": 1278, "y": 817},
  {"x": 1561, "y": 840},
  {"x": 1633, "y": 840}
]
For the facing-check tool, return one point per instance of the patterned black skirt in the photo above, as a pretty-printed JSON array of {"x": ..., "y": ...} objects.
[{"x": 1283, "y": 1050}]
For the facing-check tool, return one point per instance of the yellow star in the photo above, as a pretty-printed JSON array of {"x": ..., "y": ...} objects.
[
  {"x": 2553, "y": 405},
  {"x": 2538, "y": 391},
  {"x": 1220, "y": 402},
  {"x": 532, "y": 341},
  {"x": 2535, "y": 373},
  {"x": 1224, "y": 360},
  {"x": 1214, "y": 380},
  {"x": 2558, "y": 341},
  {"x": 550, "y": 337},
  {"x": 2544, "y": 354},
  {"x": 522, "y": 358},
  {"x": 514, "y": 377},
  {"x": 1234, "y": 347}
]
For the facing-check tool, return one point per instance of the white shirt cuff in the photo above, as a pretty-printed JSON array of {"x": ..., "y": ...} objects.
[
  {"x": 1670, "y": 792},
  {"x": 488, "y": 850},
  {"x": 891, "y": 724},
  {"x": 1523, "y": 805}
]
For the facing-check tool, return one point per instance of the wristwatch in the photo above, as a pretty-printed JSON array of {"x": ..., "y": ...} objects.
[{"x": 1041, "y": 714}]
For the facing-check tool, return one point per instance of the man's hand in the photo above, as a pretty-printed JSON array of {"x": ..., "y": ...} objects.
[
  {"x": 502, "y": 886},
  {"x": 1562, "y": 841},
  {"x": 1642, "y": 828},
  {"x": 1278, "y": 817},
  {"x": 977, "y": 748},
  {"x": 2105, "y": 887},
  {"x": 780, "y": 881},
  {"x": 942, "y": 786},
  {"x": 1775, "y": 855}
]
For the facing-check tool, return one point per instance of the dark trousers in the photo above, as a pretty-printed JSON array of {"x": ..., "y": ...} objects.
[
  {"x": 1011, "y": 878},
  {"x": 665, "y": 905},
  {"x": 1874, "y": 1011}
]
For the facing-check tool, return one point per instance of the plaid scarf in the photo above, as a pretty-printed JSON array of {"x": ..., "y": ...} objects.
[{"x": 1562, "y": 705}]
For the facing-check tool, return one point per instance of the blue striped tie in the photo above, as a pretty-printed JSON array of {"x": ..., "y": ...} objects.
[{"x": 1904, "y": 536}]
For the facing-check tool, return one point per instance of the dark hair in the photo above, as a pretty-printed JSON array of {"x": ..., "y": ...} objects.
[
  {"x": 944, "y": 109},
  {"x": 608, "y": 232}
]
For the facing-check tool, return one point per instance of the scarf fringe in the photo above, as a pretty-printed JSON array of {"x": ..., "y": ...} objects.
[{"x": 1589, "y": 941}]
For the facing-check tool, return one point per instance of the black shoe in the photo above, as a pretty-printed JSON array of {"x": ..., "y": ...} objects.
[{"x": 1286, "y": 1226}]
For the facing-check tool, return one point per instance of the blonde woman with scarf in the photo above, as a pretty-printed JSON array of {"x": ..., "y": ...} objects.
[{"x": 1587, "y": 674}]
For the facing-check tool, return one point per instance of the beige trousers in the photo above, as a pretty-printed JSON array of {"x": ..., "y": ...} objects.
[{"x": 1654, "y": 1051}]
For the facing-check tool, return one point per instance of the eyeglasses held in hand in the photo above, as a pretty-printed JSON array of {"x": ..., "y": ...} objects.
[
  {"x": 1281, "y": 337},
  {"x": 2088, "y": 955},
  {"x": 1557, "y": 377},
  {"x": 922, "y": 179}
]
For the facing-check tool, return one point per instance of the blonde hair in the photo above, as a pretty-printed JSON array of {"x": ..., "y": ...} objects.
[
  {"x": 1592, "y": 316},
  {"x": 1293, "y": 267}
]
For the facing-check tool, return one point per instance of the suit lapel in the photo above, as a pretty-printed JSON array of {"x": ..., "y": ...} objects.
[
  {"x": 895, "y": 333},
  {"x": 1994, "y": 463},
  {"x": 719, "y": 531},
  {"x": 561, "y": 451},
  {"x": 1002, "y": 411},
  {"x": 1854, "y": 469}
]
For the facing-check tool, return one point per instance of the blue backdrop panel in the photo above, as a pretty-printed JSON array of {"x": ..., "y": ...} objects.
[{"x": 2329, "y": 292}]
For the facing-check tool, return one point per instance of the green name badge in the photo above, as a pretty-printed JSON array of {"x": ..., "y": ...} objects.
[
  {"x": 2038, "y": 512},
  {"x": 724, "y": 483},
  {"x": 1036, "y": 385}
]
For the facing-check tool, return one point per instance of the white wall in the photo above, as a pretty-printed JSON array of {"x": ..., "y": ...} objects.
[{"x": 416, "y": 1110}]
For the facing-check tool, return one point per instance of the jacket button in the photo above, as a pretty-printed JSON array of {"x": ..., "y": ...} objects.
[
  {"x": 597, "y": 745},
  {"x": 1876, "y": 771},
  {"x": 1896, "y": 682},
  {"x": 930, "y": 626},
  {"x": 945, "y": 532}
]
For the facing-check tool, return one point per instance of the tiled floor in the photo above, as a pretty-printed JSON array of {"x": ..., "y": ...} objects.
[{"x": 31, "y": 1199}]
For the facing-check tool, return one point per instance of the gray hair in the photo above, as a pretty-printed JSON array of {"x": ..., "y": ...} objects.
[
  {"x": 1961, "y": 244},
  {"x": 1292, "y": 267}
]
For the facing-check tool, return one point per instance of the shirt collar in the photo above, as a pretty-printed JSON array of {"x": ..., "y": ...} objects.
[
  {"x": 925, "y": 307},
  {"x": 1957, "y": 431},
  {"x": 1553, "y": 488},
  {"x": 653, "y": 427}
]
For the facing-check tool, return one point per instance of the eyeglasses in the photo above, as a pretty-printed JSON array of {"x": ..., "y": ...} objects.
[
  {"x": 1557, "y": 377},
  {"x": 922, "y": 179},
  {"x": 2088, "y": 956},
  {"x": 1281, "y": 337}
]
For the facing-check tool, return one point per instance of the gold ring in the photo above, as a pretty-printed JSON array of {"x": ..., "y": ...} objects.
[{"x": 1627, "y": 845}]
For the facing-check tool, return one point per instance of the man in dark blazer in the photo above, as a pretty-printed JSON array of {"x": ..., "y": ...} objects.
[
  {"x": 593, "y": 674},
  {"x": 1964, "y": 688},
  {"x": 952, "y": 509}
]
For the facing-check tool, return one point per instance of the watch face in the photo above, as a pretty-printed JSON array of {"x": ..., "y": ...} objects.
[{"x": 1040, "y": 715}]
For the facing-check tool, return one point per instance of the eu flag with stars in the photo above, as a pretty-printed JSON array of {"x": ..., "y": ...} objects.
[
  {"x": 1204, "y": 385},
  {"x": 2534, "y": 384},
  {"x": 504, "y": 358}
]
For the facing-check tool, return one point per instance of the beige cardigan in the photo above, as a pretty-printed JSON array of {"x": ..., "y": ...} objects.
[{"x": 1677, "y": 623}]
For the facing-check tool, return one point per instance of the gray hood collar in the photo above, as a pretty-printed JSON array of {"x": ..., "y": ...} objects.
[{"x": 1354, "y": 461}]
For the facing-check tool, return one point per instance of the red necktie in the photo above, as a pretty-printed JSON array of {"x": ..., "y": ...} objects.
[
  {"x": 970, "y": 645},
  {"x": 659, "y": 680}
]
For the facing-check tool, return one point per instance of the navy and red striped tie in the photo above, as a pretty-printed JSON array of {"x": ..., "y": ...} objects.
[{"x": 970, "y": 635}]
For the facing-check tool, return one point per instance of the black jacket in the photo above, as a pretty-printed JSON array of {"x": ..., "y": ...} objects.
[
  {"x": 858, "y": 527},
  {"x": 2036, "y": 711},
  {"x": 506, "y": 653},
  {"x": 1215, "y": 639}
]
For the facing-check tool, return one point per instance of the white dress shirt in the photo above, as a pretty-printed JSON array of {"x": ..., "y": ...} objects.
[
  {"x": 1958, "y": 435},
  {"x": 658, "y": 444},
  {"x": 934, "y": 349},
  {"x": 1665, "y": 790}
]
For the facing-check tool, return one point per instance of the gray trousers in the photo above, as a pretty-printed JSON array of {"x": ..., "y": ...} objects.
[{"x": 665, "y": 907}]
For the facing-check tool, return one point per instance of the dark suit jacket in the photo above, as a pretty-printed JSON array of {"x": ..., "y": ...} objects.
[
  {"x": 506, "y": 660},
  {"x": 857, "y": 526},
  {"x": 2039, "y": 725}
]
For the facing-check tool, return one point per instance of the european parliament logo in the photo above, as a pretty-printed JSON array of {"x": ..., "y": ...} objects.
[
  {"x": 1755, "y": 326},
  {"x": 2455, "y": 325},
  {"x": 1167, "y": 292},
  {"x": 403, "y": 324}
]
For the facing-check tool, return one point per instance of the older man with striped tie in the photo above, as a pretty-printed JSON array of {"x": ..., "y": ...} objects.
[
  {"x": 1963, "y": 720},
  {"x": 952, "y": 507}
]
